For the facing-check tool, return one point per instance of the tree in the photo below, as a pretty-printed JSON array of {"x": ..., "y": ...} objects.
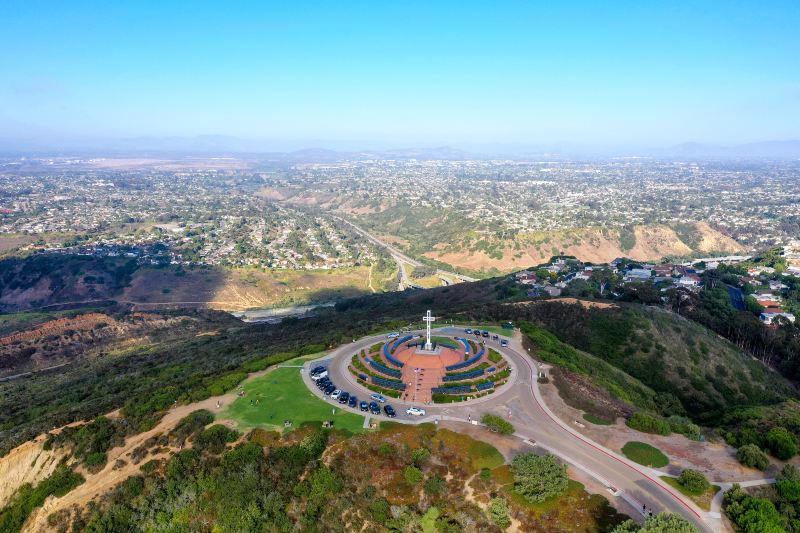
[
  {"x": 499, "y": 512},
  {"x": 752, "y": 456},
  {"x": 693, "y": 481},
  {"x": 781, "y": 443},
  {"x": 538, "y": 477}
]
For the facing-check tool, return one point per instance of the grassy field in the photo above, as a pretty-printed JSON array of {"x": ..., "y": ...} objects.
[
  {"x": 703, "y": 500},
  {"x": 303, "y": 358},
  {"x": 283, "y": 396},
  {"x": 597, "y": 420},
  {"x": 644, "y": 454}
]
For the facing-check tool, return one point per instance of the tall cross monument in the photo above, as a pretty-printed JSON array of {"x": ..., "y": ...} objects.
[{"x": 428, "y": 319}]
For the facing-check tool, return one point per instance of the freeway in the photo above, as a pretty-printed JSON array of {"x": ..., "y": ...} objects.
[
  {"x": 520, "y": 401},
  {"x": 400, "y": 258}
]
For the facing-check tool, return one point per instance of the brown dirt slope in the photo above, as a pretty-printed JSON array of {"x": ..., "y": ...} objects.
[{"x": 589, "y": 244}]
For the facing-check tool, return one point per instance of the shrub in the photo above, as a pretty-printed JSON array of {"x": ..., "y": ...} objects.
[
  {"x": 781, "y": 443},
  {"x": 214, "y": 438},
  {"x": 752, "y": 456},
  {"x": 648, "y": 424},
  {"x": 412, "y": 474},
  {"x": 435, "y": 485},
  {"x": 499, "y": 512},
  {"x": 693, "y": 481},
  {"x": 662, "y": 522},
  {"x": 538, "y": 478},
  {"x": 28, "y": 497},
  {"x": 420, "y": 455},
  {"x": 497, "y": 424}
]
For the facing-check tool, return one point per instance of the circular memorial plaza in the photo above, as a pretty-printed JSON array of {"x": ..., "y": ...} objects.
[{"x": 422, "y": 369}]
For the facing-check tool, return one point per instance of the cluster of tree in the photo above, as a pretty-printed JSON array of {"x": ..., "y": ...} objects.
[{"x": 775, "y": 510}]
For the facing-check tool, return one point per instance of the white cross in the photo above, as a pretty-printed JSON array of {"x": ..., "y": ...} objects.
[{"x": 428, "y": 319}]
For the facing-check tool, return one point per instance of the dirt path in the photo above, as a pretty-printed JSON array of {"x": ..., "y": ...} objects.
[
  {"x": 106, "y": 479},
  {"x": 369, "y": 280}
]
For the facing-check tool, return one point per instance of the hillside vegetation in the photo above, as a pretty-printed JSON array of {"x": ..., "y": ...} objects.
[
  {"x": 43, "y": 281},
  {"x": 401, "y": 478},
  {"x": 482, "y": 247},
  {"x": 705, "y": 375}
]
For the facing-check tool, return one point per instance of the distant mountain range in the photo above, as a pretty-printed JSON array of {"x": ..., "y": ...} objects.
[
  {"x": 222, "y": 145},
  {"x": 767, "y": 149}
]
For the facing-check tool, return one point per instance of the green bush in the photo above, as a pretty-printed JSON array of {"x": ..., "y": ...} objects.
[
  {"x": 215, "y": 438},
  {"x": 435, "y": 485},
  {"x": 781, "y": 443},
  {"x": 498, "y": 424},
  {"x": 752, "y": 456},
  {"x": 538, "y": 477},
  {"x": 420, "y": 455},
  {"x": 693, "y": 481},
  {"x": 649, "y": 424},
  {"x": 499, "y": 512},
  {"x": 28, "y": 497},
  {"x": 412, "y": 474}
]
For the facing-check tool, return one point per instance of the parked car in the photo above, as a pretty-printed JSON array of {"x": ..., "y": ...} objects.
[
  {"x": 503, "y": 343},
  {"x": 486, "y": 334},
  {"x": 495, "y": 337},
  {"x": 353, "y": 401},
  {"x": 317, "y": 377},
  {"x": 477, "y": 333},
  {"x": 364, "y": 406},
  {"x": 389, "y": 410},
  {"x": 335, "y": 394},
  {"x": 343, "y": 397},
  {"x": 415, "y": 411},
  {"x": 393, "y": 335},
  {"x": 374, "y": 408},
  {"x": 330, "y": 389},
  {"x": 317, "y": 370},
  {"x": 378, "y": 397},
  {"x": 468, "y": 331}
]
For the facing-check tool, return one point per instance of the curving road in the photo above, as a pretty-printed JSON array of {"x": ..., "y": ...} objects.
[{"x": 520, "y": 402}]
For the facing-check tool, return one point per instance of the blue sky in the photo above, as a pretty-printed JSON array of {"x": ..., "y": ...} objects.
[{"x": 403, "y": 72}]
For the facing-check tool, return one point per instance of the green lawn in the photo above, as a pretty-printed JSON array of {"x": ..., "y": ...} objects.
[
  {"x": 284, "y": 396},
  {"x": 703, "y": 500},
  {"x": 644, "y": 454},
  {"x": 597, "y": 420},
  {"x": 303, "y": 359}
]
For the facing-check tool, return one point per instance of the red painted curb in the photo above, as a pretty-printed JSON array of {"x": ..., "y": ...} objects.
[{"x": 527, "y": 362}]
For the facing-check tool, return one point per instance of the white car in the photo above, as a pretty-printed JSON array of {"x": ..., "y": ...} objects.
[
  {"x": 317, "y": 377},
  {"x": 392, "y": 335},
  {"x": 335, "y": 394},
  {"x": 378, "y": 397},
  {"x": 416, "y": 411}
]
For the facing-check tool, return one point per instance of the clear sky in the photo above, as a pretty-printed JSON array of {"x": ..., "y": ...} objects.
[{"x": 641, "y": 72}]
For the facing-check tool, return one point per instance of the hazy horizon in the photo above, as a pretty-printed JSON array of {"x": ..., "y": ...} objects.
[{"x": 453, "y": 74}]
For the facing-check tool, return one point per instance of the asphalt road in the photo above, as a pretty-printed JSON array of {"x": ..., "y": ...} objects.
[
  {"x": 399, "y": 257},
  {"x": 520, "y": 402}
]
